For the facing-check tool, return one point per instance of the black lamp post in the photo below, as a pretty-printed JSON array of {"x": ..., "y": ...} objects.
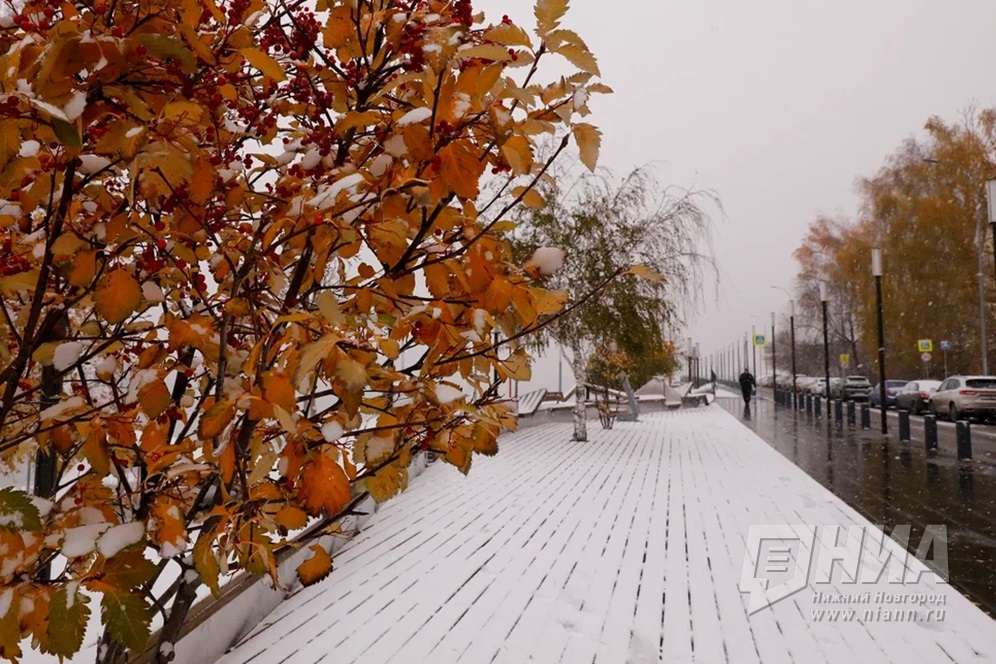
[
  {"x": 795, "y": 375},
  {"x": 826, "y": 341},
  {"x": 753, "y": 346},
  {"x": 774, "y": 357},
  {"x": 877, "y": 273},
  {"x": 991, "y": 204}
]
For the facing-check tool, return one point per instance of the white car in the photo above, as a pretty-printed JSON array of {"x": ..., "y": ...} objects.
[
  {"x": 818, "y": 388},
  {"x": 965, "y": 396}
]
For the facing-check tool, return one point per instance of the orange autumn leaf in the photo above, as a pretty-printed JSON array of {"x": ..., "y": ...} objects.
[
  {"x": 154, "y": 398},
  {"x": 167, "y": 525},
  {"x": 291, "y": 517},
  {"x": 278, "y": 390},
  {"x": 324, "y": 487},
  {"x": 214, "y": 421},
  {"x": 461, "y": 168},
  {"x": 117, "y": 296},
  {"x": 83, "y": 268},
  {"x": 315, "y": 568}
]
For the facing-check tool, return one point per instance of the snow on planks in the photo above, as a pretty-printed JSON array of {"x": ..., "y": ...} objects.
[{"x": 624, "y": 549}]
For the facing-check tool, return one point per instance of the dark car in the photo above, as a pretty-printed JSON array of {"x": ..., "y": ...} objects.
[
  {"x": 892, "y": 388},
  {"x": 915, "y": 396}
]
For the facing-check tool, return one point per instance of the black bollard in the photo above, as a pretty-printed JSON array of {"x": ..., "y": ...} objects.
[
  {"x": 838, "y": 411},
  {"x": 818, "y": 406},
  {"x": 850, "y": 413},
  {"x": 964, "y": 430},
  {"x": 808, "y": 398},
  {"x": 930, "y": 434},
  {"x": 866, "y": 417},
  {"x": 904, "y": 426}
]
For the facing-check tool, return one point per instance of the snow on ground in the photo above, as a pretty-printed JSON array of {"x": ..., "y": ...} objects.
[{"x": 628, "y": 548}]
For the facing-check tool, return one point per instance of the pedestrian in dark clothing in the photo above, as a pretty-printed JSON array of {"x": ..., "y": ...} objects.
[{"x": 747, "y": 386}]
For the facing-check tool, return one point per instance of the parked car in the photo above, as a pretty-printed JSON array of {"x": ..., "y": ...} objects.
[
  {"x": 965, "y": 396},
  {"x": 892, "y": 388},
  {"x": 856, "y": 388},
  {"x": 818, "y": 387},
  {"x": 804, "y": 383},
  {"x": 915, "y": 396}
]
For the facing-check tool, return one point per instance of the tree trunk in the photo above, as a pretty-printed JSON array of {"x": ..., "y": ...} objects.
[
  {"x": 170, "y": 633},
  {"x": 580, "y": 395},
  {"x": 111, "y": 652}
]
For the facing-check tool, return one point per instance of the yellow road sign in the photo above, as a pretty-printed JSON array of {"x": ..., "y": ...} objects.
[{"x": 925, "y": 346}]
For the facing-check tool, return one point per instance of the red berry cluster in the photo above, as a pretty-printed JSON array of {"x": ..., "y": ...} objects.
[
  {"x": 148, "y": 262},
  {"x": 38, "y": 16},
  {"x": 464, "y": 12},
  {"x": 10, "y": 107},
  {"x": 411, "y": 45},
  {"x": 11, "y": 263},
  {"x": 237, "y": 11},
  {"x": 304, "y": 35}
]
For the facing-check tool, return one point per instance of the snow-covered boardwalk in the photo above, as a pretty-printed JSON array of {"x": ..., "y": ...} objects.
[{"x": 626, "y": 549}]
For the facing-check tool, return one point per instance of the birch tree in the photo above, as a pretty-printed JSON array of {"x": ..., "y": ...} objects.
[{"x": 599, "y": 228}]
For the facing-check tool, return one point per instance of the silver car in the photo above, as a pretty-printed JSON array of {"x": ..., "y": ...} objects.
[{"x": 965, "y": 396}]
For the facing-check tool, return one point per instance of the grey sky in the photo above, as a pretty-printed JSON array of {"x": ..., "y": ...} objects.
[{"x": 777, "y": 105}]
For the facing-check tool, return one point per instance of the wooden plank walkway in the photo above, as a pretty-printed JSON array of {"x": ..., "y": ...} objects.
[{"x": 628, "y": 548}]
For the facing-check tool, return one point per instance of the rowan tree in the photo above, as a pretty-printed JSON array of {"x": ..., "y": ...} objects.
[{"x": 246, "y": 273}]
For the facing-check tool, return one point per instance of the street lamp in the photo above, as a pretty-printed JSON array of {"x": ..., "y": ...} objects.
[
  {"x": 795, "y": 374},
  {"x": 826, "y": 341},
  {"x": 753, "y": 346},
  {"x": 991, "y": 205},
  {"x": 877, "y": 273},
  {"x": 774, "y": 357},
  {"x": 795, "y": 386}
]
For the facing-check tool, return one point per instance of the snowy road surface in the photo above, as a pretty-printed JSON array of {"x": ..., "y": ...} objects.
[{"x": 628, "y": 548}]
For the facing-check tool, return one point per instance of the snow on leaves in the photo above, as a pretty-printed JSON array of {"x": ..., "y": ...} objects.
[{"x": 250, "y": 265}]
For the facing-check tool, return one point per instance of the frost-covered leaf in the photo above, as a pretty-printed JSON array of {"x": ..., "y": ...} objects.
[{"x": 17, "y": 512}]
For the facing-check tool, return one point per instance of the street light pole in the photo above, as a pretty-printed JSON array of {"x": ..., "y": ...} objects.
[
  {"x": 774, "y": 357},
  {"x": 991, "y": 206},
  {"x": 753, "y": 346},
  {"x": 877, "y": 272},
  {"x": 826, "y": 342},
  {"x": 795, "y": 375}
]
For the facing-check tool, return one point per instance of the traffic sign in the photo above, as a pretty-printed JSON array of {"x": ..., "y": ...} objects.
[
  {"x": 845, "y": 360},
  {"x": 760, "y": 340},
  {"x": 945, "y": 346},
  {"x": 925, "y": 345},
  {"x": 926, "y": 357}
]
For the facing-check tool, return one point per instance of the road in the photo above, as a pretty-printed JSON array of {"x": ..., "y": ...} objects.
[
  {"x": 892, "y": 483},
  {"x": 983, "y": 435}
]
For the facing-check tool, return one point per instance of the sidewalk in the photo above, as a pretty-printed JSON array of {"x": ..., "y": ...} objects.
[{"x": 629, "y": 548}]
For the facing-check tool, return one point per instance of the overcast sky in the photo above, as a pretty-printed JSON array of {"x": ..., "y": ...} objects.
[{"x": 777, "y": 105}]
